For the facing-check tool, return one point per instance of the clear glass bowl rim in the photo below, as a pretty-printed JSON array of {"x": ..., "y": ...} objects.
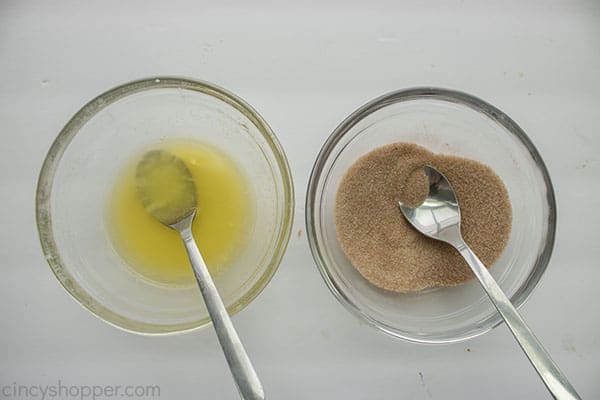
[
  {"x": 66, "y": 135},
  {"x": 452, "y": 96}
]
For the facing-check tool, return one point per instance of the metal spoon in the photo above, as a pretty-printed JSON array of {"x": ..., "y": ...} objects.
[
  {"x": 175, "y": 206},
  {"x": 439, "y": 218}
]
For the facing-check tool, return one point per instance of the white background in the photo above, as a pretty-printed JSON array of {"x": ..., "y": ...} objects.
[{"x": 304, "y": 67}]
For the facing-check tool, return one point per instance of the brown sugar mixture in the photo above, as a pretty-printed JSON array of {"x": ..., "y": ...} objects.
[{"x": 386, "y": 249}]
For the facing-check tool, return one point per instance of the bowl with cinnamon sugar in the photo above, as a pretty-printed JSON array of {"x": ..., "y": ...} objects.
[{"x": 382, "y": 269}]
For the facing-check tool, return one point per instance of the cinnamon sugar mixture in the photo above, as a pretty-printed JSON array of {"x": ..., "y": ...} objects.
[{"x": 386, "y": 249}]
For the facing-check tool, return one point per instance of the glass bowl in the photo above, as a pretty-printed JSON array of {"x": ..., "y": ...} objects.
[
  {"x": 449, "y": 122},
  {"x": 80, "y": 169}
]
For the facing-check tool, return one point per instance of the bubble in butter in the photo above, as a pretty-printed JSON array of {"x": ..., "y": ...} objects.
[{"x": 221, "y": 227}]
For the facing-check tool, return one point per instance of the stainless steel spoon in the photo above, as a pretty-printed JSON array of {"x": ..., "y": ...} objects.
[
  {"x": 167, "y": 190},
  {"x": 439, "y": 218}
]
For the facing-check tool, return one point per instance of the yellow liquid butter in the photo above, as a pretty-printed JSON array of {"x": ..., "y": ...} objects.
[{"x": 221, "y": 227}]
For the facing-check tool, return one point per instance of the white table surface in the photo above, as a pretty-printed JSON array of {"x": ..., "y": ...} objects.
[{"x": 305, "y": 68}]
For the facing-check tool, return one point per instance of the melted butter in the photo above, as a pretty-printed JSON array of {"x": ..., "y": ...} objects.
[{"x": 221, "y": 227}]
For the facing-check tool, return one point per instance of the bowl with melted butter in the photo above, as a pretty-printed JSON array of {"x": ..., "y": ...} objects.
[{"x": 118, "y": 261}]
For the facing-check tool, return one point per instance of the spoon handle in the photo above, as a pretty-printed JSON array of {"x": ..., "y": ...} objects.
[
  {"x": 553, "y": 378},
  {"x": 241, "y": 368}
]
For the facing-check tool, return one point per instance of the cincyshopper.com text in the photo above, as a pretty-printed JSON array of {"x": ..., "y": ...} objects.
[{"x": 63, "y": 391}]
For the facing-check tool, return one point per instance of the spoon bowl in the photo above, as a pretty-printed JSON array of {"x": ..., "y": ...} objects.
[
  {"x": 165, "y": 186},
  {"x": 438, "y": 217}
]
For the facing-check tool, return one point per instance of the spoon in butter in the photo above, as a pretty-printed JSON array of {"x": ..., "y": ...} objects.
[
  {"x": 438, "y": 217},
  {"x": 165, "y": 186}
]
